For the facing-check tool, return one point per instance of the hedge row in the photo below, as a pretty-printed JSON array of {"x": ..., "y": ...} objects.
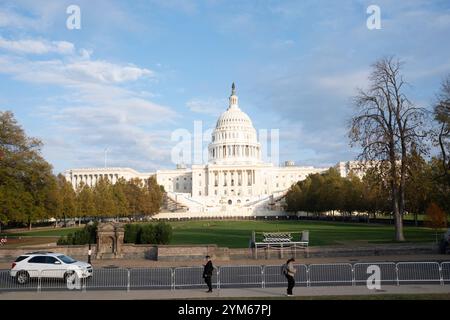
[{"x": 160, "y": 233}]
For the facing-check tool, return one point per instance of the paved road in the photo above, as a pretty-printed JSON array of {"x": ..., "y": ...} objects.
[{"x": 316, "y": 275}]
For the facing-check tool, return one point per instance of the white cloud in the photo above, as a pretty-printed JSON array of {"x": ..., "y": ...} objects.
[
  {"x": 33, "y": 46},
  {"x": 208, "y": 106},
  {"x": 184, "y": 6},
  {"x": 344, "y": 84},
  {"x": 71, "y": 72},
  {"x": 96, "y": 108},
  {"x": 9, "y": 18}
]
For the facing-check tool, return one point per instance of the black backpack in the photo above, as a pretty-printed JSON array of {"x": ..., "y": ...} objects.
[{"x": 284, "y": 269}]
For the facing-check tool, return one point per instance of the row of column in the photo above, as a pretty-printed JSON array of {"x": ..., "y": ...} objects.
[
  {"x": 230, "y": 178},
  {"x": 227, "y": 151},
  {"x": 91, "y": 179}
]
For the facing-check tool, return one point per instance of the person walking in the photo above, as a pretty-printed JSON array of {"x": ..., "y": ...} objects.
[
  {"x": 289, "y": 272},
  {"x": 207, "y": 273}
]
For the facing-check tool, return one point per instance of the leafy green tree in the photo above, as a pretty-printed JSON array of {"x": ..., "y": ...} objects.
[
  {"x": 104, "y": 198},
  {"x": 419, "y": 185},
  {"x": 67, "y": 207},
  {"x": 24, "y": 174},
  {"x": 155, "y": 195},
  {"x": 441, "y": 132},
  {"x": 85, "y": 201},
  {"x": 120, "y": 200},
  {"x": 133, "y": 194}
]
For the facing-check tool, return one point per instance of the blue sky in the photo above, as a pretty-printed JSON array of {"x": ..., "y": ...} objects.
[{"x": 138, "y": 70}]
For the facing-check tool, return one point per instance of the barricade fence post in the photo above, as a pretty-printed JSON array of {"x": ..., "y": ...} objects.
[
  {"x": 262, "y": 277},
  {"x": 173, "y": 278},
  {"x": 128, "y": 280}
]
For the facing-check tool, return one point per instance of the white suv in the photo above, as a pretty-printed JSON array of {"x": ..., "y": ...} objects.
[{"x": 48, "y": 265}]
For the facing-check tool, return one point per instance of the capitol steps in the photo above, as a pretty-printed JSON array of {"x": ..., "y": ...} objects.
[{"x": 171, "y": 205}]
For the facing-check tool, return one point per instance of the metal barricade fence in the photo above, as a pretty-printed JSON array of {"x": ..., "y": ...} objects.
[
  {"x": 9, "y": 283},
  {"x": 232, "y": 276},
  {"x": 155, "y": 278},
  {"x": 240, "y": 276},
  {"x": 445, "y": 272},
  {"x": 330, "y": 274},
  {"x": 114, "y": 278},
  {"x": 58, "y": 279},
  {"x": 388, "y": 272},
  {"x": 419, "y": 272},
  {"x": 192, "y": 277},
  {"x": 274, "y": 277}
]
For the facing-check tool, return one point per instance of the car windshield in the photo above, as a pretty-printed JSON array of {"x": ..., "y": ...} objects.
[{"x": 66, "y": 259}]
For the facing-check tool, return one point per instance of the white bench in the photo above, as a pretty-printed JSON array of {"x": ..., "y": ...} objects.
[{"x": 281, "y": 241}]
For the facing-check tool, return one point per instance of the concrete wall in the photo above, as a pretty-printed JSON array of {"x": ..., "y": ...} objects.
[{"x": 187, "y": 252}]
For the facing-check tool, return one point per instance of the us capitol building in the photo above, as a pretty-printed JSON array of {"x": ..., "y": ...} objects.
[{"x": 234, "y": 181}]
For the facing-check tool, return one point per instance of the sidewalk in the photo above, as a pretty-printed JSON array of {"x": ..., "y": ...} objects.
[{"x": 244, "y": 293}]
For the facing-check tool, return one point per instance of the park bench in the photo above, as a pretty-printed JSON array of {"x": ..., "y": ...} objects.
[{"x": 282, "y": 241}]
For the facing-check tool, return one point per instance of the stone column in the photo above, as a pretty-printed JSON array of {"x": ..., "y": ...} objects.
[
  {"x": 210, "y": 182},
  {"x": 232, "y": 179}
]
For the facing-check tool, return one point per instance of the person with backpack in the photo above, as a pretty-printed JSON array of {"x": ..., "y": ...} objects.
[
  {"x": 289, "y": 272},
  {"x": 208, "y": 272}
]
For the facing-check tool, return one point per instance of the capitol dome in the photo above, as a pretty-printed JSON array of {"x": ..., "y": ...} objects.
[{"x": 234, "y": 139}]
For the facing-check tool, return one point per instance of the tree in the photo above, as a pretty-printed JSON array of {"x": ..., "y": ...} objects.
[
  {"x": 375, "y": 193},
  {"x": 435, "y": 217},
  {"x": 24, "y": 175},
  {"x": 419, "y": 185},
  {"x": 85, "y": 201},
  {"x": 385, "y": 126},
  {"x": 133, "y": 193},
  {"x": 441, "y": 114},
  {"x": 155, "y": 195},
  {"x": 104, "y": 198},
  {"x": 293, "y": 198},
  {"x": 352, "y": 194},
  {"x": 120, "y": 199},
  {"x": 67, "y": 199},
  {"x": 440, "y": 185}
]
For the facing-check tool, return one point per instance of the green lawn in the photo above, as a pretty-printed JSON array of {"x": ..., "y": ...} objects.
[
  {"x": 236, "y": 234},
  {"x": 57, "y": 232}
]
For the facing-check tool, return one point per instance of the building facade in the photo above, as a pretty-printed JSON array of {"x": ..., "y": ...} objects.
[{"x": 234, "y": 179}]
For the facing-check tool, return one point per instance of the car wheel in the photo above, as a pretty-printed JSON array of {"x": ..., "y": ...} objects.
[
  {"x": 67, "y": 276},
  {"x": 22, "y": 277}
]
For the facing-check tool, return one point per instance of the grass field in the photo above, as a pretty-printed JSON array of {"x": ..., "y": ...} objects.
[
  {"x": 236, "y": 234},
  {"x": 47, "y": 232}
]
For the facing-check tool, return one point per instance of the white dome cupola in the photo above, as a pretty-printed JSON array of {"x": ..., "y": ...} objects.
[{"x": 234, "y": 139}]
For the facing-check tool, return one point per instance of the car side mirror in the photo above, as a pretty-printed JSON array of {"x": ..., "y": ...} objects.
[{"x": 57, "y": 262}]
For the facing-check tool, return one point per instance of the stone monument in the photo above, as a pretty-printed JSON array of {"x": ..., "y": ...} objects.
[{"x": 109, "y": 240}]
